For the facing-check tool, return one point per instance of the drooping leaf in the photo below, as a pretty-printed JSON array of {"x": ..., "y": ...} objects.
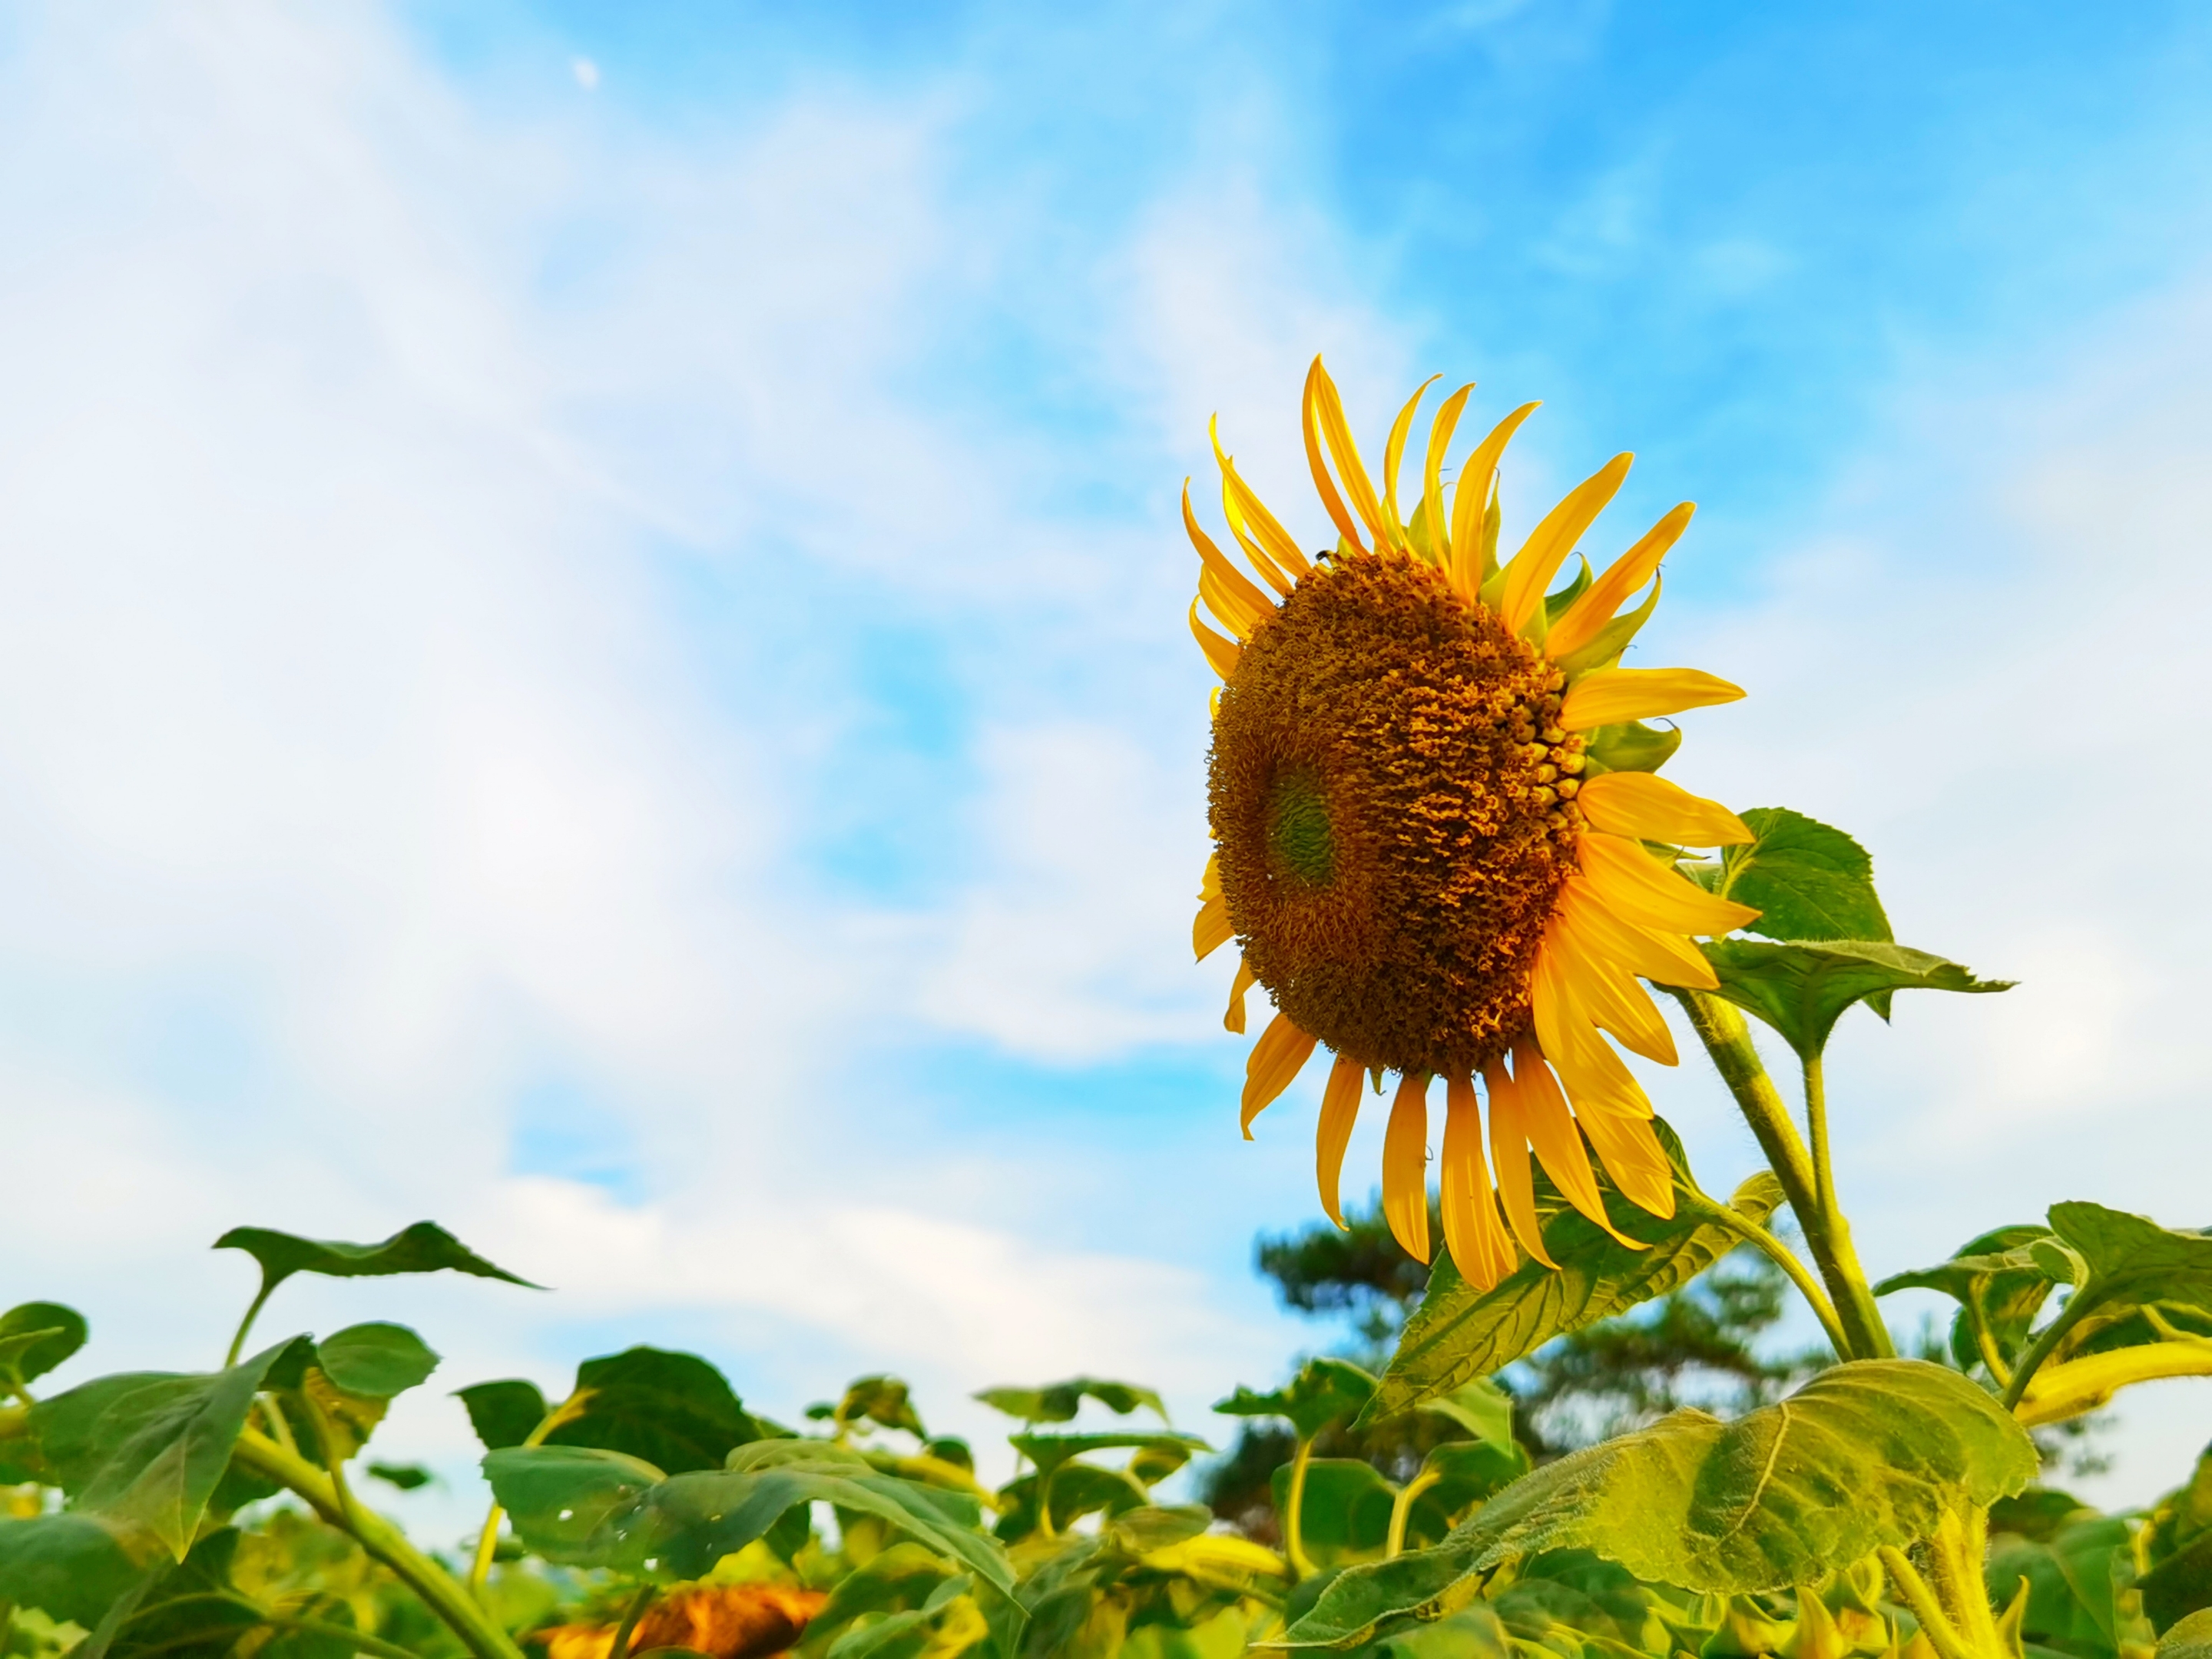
[
  {"x": 1078, "y": 1489},
  {"x": 1058, "y": 1402},
  {"x": 586, "y": 1507},
  {"x": 1459, "y": 1334},
  {"x": 424, "y": 1247},
  {"x": 377, "y": 1360},
  {"x": 1870, "y": 1453},
  {"x": 70, "y": 1566},
  {"x": 2074, "y": 1578},
  {"x": 34, "y": 1338},
  {"x": 149, "y": 1450},
  {"x": 1325, "y": 1391},
  {"x": 673, "y": 1410},
  {"x": 2000, "y": 1284},
  {"x": 503, "y": 1413},
  {"x": 1805, "y": 880},
  {"x": 1802, "y": 990},
  {"x": 2132, "y": 1259},
  {"x": 1481, "y": 1407},
  {"x": 1632, "y": 746},
  {"x": 882, "y": 1400}
]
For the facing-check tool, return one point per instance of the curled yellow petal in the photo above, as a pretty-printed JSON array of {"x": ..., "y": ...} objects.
[
  {"x": 1211, "y": 931},
  {"x": 1471, "y": 499},
  {"x": 1245, "y": 980},
  {"x": 1509, "y": 1155},
  {"x": 1393, "y": 452},
  {"x": 1432, "y": 470},
  {"x": 1646, "y": 807},
  {"x": 1587, "y": 616},
  {"x": 1636, "y": 886},
  {"x": 1567, "y": 1033},
  {"x": 1239, "y": 600},
  {"x": 1339, "y": 1110},
  {"x": 1249, "y": 516},
  {"x": 1629, "y": 1148},
  {"x": 1324, "y": 484},
  {"x": 1325, "y": 412},
  {"x": 1275, "y": 1062},
  {"x": 1406, "y": 1167},
  {"x": 1220, "y": 655},
  {"x": 1559, "y": 1143},
  {"x": 1472, "y": 1231},
  {"x": 1613, "y": 999},
  {"x": 1533, "y": 567},
  {"x": 1606, "y": 696},
  {"x": 1663, "y": 957}
]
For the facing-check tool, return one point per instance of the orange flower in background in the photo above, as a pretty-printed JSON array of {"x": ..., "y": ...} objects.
[
  {"x": 732, "y": 1621},
  {"x": 1428, "y": 793}
]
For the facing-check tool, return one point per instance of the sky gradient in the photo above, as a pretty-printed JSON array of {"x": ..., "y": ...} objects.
[{"x": 594, "y": 636}]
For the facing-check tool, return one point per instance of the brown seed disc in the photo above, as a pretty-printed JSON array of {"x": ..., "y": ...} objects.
[{"x": 1388, "y": 851}]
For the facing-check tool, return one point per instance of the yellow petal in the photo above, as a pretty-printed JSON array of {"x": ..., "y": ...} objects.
[
  {"x": 1432, "y": 470},
  {"x": 1211, "y": 931},
  {"x": 1663, "y": 957},
  {"x": 1393, "y": 452},
  {"x": 1241, "y": 592},
  {"x": 1220, "y": 655},
  {"x": 1587, "y": 616},
  {"x": 1568, "y": 1035},
  {"x": 1473, "y": 1232},
  {"x": 1629, "y": 1148},
  {"x": 1250, "y": 513},
  {"x": 1339, "y": 1110},
  {"x": 1230, "y": 610},
  {"x": 1533, "y": 567},
  {"x": 1325, "y": 423},
  {"x": 1559, "y": 1143},
  {"x": 1636, "y": 886},
  {"x": 1613, "y": 999},
  {"x": 1606, "y": 697},
  {"x": 1274, "y": 1064},
  {"x": 1509, "y": 1155},
  {"x": 1406, "y": 1167},
  {"x": 1644, "y": 806},
  {"x": 1471, "y": 499},
  {"x": 1245, "y": 980}
]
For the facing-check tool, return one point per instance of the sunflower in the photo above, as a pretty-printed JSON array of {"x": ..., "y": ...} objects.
[{"x": 1431, "y": 794}]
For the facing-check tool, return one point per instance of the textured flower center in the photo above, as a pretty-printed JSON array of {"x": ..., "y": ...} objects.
[{"x": 1391, "y": 800}]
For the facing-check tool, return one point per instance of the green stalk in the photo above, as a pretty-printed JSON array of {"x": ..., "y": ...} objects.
[
  {"x": 383, "y": 1540},
  {"x": 2043, "y": 1347},
  {"x": 1922, "y": 1599},
  {"x": 628, "y": 1626},
  {"x": 488, "y": 1539},
  {"x": 1836, "y": 1232},
  {"x": 355, "y": 1639},
  {"x": 253, "y": 1313},
  {"x": 1294, "y": 1548},
  {"x": 1401, "y": 1511},
  {"x": 1761, "y": 1239},
  {"x": 1727, "y": 1040}
]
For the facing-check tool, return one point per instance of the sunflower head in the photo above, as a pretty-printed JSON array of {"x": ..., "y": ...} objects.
[{"x": 1427, "y": 821}]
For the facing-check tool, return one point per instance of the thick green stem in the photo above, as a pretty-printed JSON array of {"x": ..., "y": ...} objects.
[
  {"x": 1727, "y": 1040},
  {"x": 1913, "y": 1589},
  {"x": 1401, "y": 1511},
  {"x": 629, "y": 1626},
  {"x": 384, "y": 1541},
  {"x": 1760, "y": 1239},
  {"x": 1294, "y": 1546},
  {"x": 1835, "y": 1231}
]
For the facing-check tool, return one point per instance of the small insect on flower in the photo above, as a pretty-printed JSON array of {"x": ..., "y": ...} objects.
[{"x": 1429, "y": 791}]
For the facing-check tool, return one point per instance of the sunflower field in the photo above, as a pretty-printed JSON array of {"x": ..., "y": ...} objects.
[{"x": 1444, "y": 852}]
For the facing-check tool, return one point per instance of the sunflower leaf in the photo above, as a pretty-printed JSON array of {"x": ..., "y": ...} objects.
[
  {"x": 1459, "y": 1334},
  {"x": 2000, "y": 1284},
  {"x": 1325, "y": 1391},
  {"x": 1870, "y": 1453},
  {"x": 1803, "y": 989},
  {"x": 1807, "y": 881},
  {"x": 1058, "y": 1402},
  {"x": 35, "y": 1338}
]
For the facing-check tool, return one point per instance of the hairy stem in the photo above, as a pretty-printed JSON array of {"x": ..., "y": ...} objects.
[
  {"x": 1913, "y": 1589},
  {"x": 1727, "y": 1040},
  {"x": 2043, "y": 1347},
  {"x": 1294, "y": 1545},
  {"x": 384, "y": 1541},
  {"x": 1762, "y": 1240},
  {"x": 1835, "y": 1231}
]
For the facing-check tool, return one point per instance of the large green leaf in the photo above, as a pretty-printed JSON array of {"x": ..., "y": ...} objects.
[
  {"x": 1802, "y": 990},
  {"x": 1345, "y": 1511},
  {"x": 2131, "y": 1259},
  {"x": 1999, "y": 1282},
  {"x": 2075, "y": 1580},
  {"x": 586, "y": 1507},
  {"x": 673, "y": 1410},
  {"x": 378, "y": 1361},
  {"x": 148, "y": 1450},
  {"x": 503, "y": 1413},
  {"x": 2190, "y": 1639},
  {"x": 34, "y": 1338},
  {"x": 1324, "y": 1391},
  {"x": 1805, "y": 880},
  {"x": 1058, "y": 1402},
  {"x": 67, "y": 1566},
  {"x": 424, "y": 1247},
  {"x": 1871, "y": 1453},
  {"x": 1459, "y": 1333}
]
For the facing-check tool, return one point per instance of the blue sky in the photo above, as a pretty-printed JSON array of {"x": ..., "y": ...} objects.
[{"x": 594, "y": 635}]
